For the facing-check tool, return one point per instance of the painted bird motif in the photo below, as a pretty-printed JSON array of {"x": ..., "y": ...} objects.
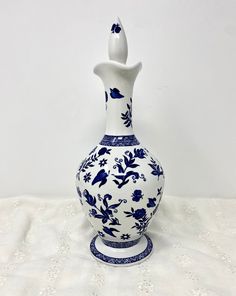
[
  {"x": 101, "y": 177},
  {"x": 151, "y": 202},
  {"x": 115, "y": 93}
]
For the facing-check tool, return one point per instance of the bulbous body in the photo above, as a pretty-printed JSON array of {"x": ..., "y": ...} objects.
[{"x": 120, "y": 185}]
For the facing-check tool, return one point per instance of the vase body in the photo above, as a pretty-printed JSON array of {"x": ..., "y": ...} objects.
[{"x": 120, "y": 183}]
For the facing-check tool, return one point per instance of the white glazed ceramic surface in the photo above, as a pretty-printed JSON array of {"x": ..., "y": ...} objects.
[{"x": 120, "y": 183}]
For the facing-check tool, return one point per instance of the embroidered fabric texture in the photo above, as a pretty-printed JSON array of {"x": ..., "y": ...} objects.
[{"x": 44, "y": 251}]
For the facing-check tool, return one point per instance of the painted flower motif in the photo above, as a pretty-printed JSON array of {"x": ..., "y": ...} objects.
[
  {"x": 102, "y": 162},
  {"x": 115, "y": 93},
  {"x": 87, "y": 177},
  {"x": 116, "y": 28},
  {"x": 140, "y": 213},
  {"x": 125, "y": 236},
  {"x": 92, "y": 212},
  {"x": 140, "y": 153},
  {"x": 137, "y": 195},
  {"x": 101, "y": 234},
  {"x": 104, "y": 212},
  {"x": 141, "y": 218}
]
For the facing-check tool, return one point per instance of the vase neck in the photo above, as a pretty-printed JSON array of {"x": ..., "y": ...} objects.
[
  {"x": 118, "y": 81},
  {"x": 118, "y": 112}
]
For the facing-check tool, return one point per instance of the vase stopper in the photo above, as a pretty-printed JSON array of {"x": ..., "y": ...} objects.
[{"x": 117, "y": 45}]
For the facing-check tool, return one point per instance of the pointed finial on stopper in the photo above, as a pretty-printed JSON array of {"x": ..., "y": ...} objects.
[{"x": 118, "y": 47}]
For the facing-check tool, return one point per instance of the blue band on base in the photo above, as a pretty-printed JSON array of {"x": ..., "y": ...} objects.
[
  {"x": 120, "y": 245},
  {"x": 121, "y": 261}
]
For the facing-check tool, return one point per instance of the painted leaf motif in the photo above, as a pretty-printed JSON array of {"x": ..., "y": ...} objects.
[
  {"x": 133, "y": 165},
  {"x": 131, "y": 173},
  {"x": 127, "y": 116},
  {"x": 106, "y": 197},
  {"x": 119, "y": 177},
  {"x": 126, "y": 160},
  {"x": 120, "y": 168},
  {"x": 123, "y": 183},
  {"x": 114, "y": 206},
  {"x": 99, "y": 216},
  {"x": 155, "y": 173},
  {"x": 117, "y": 182}
]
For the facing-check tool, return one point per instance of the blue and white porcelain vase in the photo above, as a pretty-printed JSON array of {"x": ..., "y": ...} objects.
[{"x": 120, "y": 184}]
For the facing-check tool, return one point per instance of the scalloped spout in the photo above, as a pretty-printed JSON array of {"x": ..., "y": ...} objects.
[
  {"x": 117, "y": 45},
  {"x": 117, "y": 73}
]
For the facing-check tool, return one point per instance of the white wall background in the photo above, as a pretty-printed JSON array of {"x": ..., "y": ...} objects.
[{"x": 52, "y": 105}]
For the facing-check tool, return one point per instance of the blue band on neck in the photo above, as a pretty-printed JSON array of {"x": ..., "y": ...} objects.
[{"x": 130, "y": 140}]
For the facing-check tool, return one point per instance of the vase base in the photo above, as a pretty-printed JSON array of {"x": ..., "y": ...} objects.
[{"x": 121, "y": 256}]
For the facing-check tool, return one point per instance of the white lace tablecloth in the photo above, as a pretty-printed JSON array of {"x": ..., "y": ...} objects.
[{"x": 44, "y": 251}]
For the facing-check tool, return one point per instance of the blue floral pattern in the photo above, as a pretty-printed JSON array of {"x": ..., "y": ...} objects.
[
  {"x": 90, "y": 161},
  {"x": 127, "y": 116},
  {"x": 156, "y": 168},
  {"x": 141, "y": 219},
  {"x": 125, "y": 167},
  {"x": 105, "y": 212},
  {"x": 140, "y": 153},
  {"x": 159, "y": 192}
]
